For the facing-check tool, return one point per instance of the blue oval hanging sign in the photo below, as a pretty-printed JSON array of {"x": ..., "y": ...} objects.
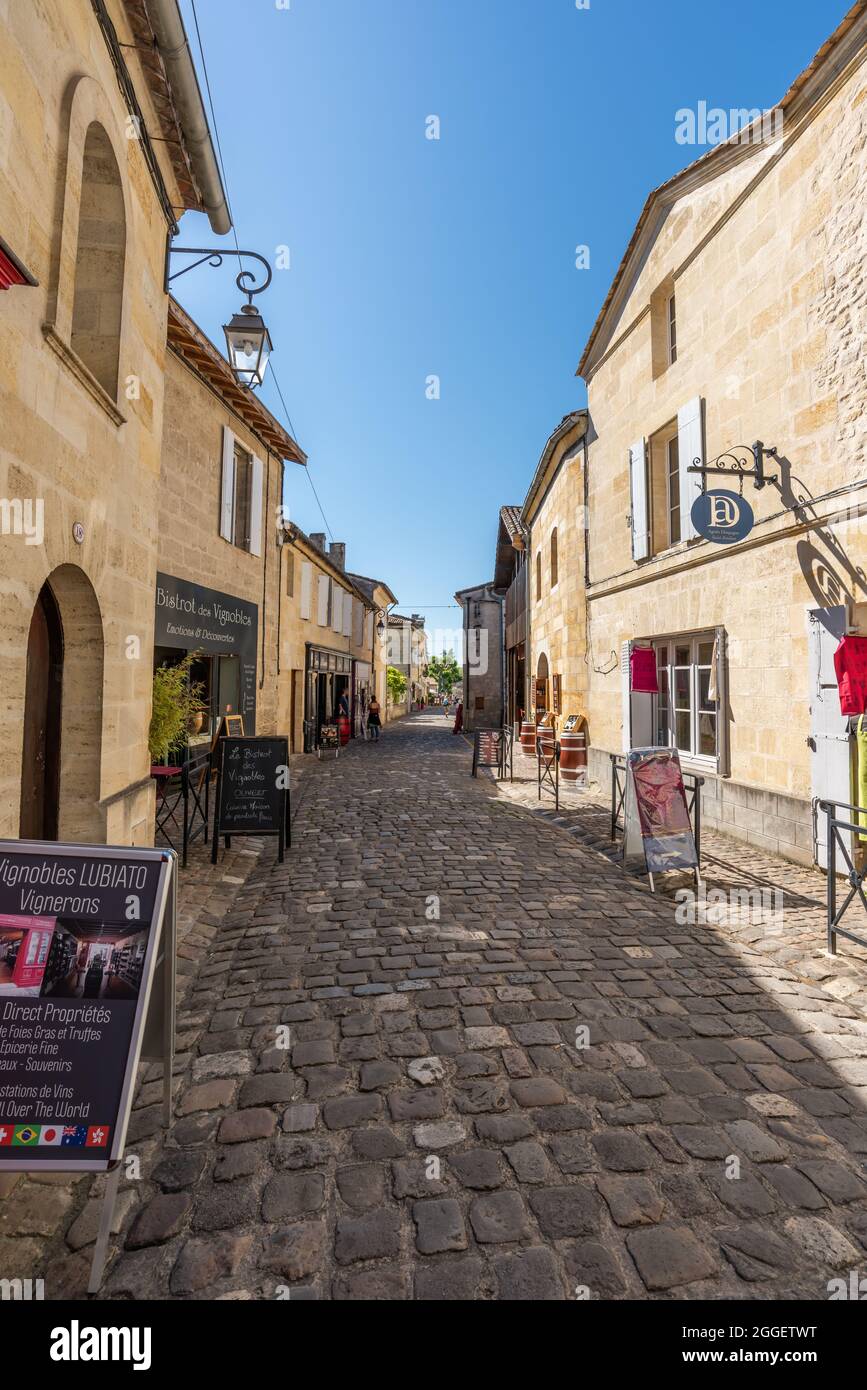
[{"x": 722, "y": 516}]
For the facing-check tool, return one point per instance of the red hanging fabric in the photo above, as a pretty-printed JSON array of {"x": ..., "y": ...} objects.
[
  {"x": 643, "y": 671},
  {"x": 850, "y": 665}
]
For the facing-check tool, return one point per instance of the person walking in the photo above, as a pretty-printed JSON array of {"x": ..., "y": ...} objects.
[
  {"x": 374, "y": 721},
  {"x": 459, "y": 719}
]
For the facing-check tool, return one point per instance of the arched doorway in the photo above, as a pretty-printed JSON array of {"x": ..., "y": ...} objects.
[
  {"x": 542, "y": 702},
  {"x": 40, "y": 767},
  {"x": 61, "y": 766}
]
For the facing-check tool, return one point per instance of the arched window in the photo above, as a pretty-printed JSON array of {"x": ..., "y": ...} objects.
[
  {"x": 554, "y": 558},
  {"x": 99, "y": 262},
  {"x": 538, "y": 575}
]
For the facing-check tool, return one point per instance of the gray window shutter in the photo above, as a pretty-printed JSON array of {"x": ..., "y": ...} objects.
[
  {"x": 227, "y": 497},
  {"x": 690, "y": 450},
  {"x": 639, "y": 500}
]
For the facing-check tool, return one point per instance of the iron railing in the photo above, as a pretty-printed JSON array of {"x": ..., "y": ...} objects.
[
  {"x": 854, "y": 877},
  {"x": 548, "y": 769}
]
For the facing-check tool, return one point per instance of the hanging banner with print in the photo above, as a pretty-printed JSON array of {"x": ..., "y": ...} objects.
[
  {"x": 657, "y": 818},
  {"x": 79, "y": 930}
]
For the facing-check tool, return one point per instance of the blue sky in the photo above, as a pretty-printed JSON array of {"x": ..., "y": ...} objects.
[{"x": 455, "y": 257}]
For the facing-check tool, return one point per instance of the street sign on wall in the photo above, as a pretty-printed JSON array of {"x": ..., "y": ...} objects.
[
  {"x": 722, "y": 517},
  {"x": 79, "y": 931}
]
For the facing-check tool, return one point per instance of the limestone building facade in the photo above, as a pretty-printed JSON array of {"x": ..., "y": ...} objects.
[
  {"x": 96, "y": 166},
  {"x": 735, "y": 325}
]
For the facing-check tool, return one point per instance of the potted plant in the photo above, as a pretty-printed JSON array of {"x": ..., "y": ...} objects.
[{"x": 176, "y": 703}]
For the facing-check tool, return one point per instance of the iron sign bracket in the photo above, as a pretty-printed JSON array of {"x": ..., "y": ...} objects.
[{"x": 735, "y": 463}]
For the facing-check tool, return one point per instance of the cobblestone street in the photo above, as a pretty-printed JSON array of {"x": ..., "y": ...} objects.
[{"x": 440, "y": 1125}]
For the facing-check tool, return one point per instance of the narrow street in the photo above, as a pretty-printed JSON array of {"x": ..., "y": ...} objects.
[{"x": 509, "y": 1073}]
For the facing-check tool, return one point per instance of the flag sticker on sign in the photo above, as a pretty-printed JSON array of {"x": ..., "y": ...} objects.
[
  {"x": 51, "y": 1134},
  {"x": 25, "y": 1134},
  {"x": 97, "y": 1136},
  {"x": 5, "y": 1134},
  {"x": 75, "y": 1135}
]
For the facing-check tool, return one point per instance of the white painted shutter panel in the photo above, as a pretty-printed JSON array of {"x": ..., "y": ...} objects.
[
  {"x": 347, "y": 615},
  {"x": 830, "y": 758},
  {"x": 637, "y": 708},
  {"x": 306, "y": 588},
  {"x": 227, "y": 496},
  {"x": 256, "y": 503},
  {"x": 638, "y": 497},
  {"x": 369, "y": 641},
  {"x": 336, "y": 608},
  {"x": 358, "y": 623},
  {"x": 722, "y": 701},
  {"x": 625, "y": 684},
  {"x": 322, "y": 601},
  {"x": 690, "y": 450}
]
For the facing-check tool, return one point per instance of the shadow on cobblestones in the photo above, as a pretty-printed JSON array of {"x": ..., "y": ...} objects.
[{"x": 448, "y": 1051}]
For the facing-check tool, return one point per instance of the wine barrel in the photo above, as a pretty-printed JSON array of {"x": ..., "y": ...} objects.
[
  {"x": 545, "y": 736},
  {"x": 573, "y": 756},
  {"x": 528, "y": 739}
]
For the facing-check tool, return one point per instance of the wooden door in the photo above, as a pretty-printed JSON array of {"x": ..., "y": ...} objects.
[{"x": 40, "y": 769}]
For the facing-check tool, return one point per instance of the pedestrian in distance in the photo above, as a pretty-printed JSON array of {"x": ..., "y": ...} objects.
[
  {"x": 374, "y": 721},
  {"x": 459, "y": 719}
]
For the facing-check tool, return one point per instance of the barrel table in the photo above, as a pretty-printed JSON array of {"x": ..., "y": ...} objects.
[{"x": 573, "y": 756}]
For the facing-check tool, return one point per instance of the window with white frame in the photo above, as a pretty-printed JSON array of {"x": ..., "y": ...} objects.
[{"x": 687, "y": 715}]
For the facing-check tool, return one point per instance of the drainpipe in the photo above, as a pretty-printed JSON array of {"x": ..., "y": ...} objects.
[{"x": 174, "y": 50}]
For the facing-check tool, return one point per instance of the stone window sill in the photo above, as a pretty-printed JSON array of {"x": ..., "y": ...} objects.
[{"x": 73, "y": 362}]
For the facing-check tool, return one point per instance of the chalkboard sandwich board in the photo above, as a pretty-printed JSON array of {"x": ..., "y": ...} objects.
[{"x": 252, "y": 790}]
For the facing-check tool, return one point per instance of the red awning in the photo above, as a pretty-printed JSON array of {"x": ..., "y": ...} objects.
[{"x": 13, "y": 271}]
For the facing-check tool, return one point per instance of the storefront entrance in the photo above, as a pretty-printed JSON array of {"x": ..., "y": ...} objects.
[
  {"x": 328, "y": 676},
  {"x": 221, "y": 629}
]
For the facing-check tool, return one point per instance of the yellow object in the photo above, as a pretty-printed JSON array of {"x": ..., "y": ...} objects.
[{"x": 861, "y": 775}]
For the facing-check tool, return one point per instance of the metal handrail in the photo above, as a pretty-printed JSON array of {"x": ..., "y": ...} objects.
[{"x": 855, "y": 878}]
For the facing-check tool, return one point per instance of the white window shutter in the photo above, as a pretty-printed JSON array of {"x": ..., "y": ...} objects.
[
  {"x": 369, "y": 641},
  {"x": 336, "y": 608},
  {"x": 256, "y": 508},
  {"x": 347, "y": 615},
  {"x": 306, "y": 588},
  {"x": 322, "y": 601},
  {"x": 690, "y": 450},
  {"x": 227, "y": 496},
  {"x": 829, "y": 729},
  {"x": 626, "y": 688},
  {"x": 638, "y": 496}
]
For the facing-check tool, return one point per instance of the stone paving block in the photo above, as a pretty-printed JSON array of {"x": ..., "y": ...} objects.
[
  {"x": 371, "y": 1237},
  {"x": 667, "y": 1257},
  {"x": 439, "y": 1226},
  {"x": 499, "y": 1217},
  {"x": 531, "y": 1275}
]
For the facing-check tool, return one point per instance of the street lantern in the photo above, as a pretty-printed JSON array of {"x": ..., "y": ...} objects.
[
  {"x": 380, "y": 629},
  {"x": 248, "y": 342},
  {"x": 249, "y": 345}
]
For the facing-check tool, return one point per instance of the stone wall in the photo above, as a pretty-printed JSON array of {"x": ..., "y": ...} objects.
[{"x": 87, "y": 456}]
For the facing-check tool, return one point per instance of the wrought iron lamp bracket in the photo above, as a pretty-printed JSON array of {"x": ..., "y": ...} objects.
[
  {"x": 741, "y": 461},
  {"x": 215, "y": 258}
]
